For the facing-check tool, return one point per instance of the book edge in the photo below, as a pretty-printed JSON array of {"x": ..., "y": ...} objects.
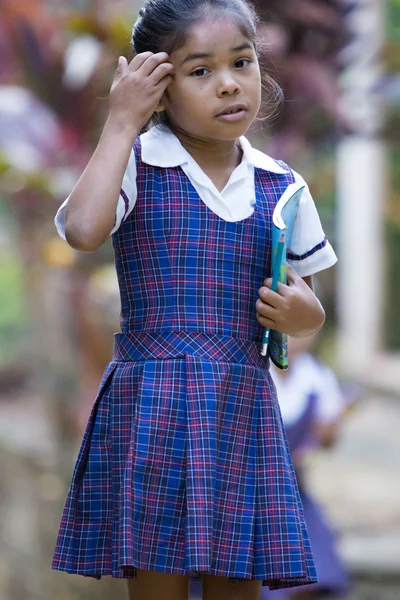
[{"x": 290, "y": 191}]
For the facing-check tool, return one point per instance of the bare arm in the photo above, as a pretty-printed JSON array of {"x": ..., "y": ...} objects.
[
  {"x": 318, "y": 310},
  {"x": 91, "y": 207},
  {"x": 135, "y": 94},
  {"x": 309, "y": 281}
]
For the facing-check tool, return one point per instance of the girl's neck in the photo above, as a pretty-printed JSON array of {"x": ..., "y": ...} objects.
[{"x": 224, "y": 155}]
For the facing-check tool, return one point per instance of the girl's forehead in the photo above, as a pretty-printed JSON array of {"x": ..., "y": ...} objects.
[{"x": 211, "y": 36}]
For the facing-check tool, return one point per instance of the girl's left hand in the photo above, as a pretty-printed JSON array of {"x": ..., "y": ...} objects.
[{"x": 293, "y": 309}]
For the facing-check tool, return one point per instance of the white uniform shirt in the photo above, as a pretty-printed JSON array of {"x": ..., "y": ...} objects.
[
  {"x": 161, "y": 148},
  {"x": 307, "y": 376}
]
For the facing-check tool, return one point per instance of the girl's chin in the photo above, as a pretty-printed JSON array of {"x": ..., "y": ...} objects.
[{"x": 216, "y": 131}]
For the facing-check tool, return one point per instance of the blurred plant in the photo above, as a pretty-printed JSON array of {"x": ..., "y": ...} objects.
[
  {"x": 55, "y": 66},
  {"x": 65, "y": 60},
  {"x": 302, "y": 39},
  {"x": 392, "y": 134}
]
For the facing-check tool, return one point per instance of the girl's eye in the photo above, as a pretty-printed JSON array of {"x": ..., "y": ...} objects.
[
  {"x": 242, "y": 62},
  {"x": 200, "y": 72}
]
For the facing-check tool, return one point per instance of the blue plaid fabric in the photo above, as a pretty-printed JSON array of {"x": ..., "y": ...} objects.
[{"x": 184, "y": 467}]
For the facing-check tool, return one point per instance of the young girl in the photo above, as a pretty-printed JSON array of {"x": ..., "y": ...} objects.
[{"x": 184, "y": 468}]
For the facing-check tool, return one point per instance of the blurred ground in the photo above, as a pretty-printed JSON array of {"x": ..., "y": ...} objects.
[{"x": 358, "y": 482}]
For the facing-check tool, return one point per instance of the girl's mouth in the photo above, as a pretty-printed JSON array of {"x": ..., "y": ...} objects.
[{"x": 234, "y": 112}]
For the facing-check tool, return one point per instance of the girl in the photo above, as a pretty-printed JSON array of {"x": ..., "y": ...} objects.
[{"x": 184, "y": 468}]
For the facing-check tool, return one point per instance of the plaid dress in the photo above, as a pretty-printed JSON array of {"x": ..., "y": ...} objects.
[{"x": 184, "y": 466}]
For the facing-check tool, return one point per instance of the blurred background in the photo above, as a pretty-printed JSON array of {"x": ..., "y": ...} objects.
[{"x": 338, "y": 62}]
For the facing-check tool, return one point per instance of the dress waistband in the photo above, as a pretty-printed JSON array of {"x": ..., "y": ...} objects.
[{"x": 164, "y": 345}]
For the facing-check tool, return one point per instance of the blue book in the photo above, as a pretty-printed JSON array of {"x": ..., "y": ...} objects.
[{"x": 283, "y": 220}]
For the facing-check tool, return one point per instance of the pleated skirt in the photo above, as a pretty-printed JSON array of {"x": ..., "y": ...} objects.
[{"x": 184, "y": 468}]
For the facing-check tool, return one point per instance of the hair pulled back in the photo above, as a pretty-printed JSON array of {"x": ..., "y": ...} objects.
[{"x": 162, "y": 26}]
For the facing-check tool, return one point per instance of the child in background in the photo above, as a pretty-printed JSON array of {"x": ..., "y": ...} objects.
[
  {"x": 313, "y": 406},
  {"x": 184, "y": 469}
]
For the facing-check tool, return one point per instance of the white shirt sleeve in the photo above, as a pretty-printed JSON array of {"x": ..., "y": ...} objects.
[
  {"x": 331, "y": 401},
  {"x": 126, "y": 201},
  {"x": 309, "y": 250}
]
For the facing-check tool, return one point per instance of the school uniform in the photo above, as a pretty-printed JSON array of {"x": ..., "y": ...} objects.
[
  {"x": 184, "y": 467},
  {"x": 310, "y": 395}
]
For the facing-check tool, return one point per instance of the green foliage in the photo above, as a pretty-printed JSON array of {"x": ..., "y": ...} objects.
[
  {"x": 13, "y": 320},
  {"x": 392, "y": 236},
  {"x": 393, "y": 21},
  {"x": 116, "y": 33},
  {"x": 394, "y": 167},
  {"x": 392, "y": 321},
  {"x": 391, "y": 52}
]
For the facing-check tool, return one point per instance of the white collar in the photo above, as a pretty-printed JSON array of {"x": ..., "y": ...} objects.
[{"x": 171, "y": 153}]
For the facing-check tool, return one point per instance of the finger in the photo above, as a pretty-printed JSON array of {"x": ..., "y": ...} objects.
[
  {"x": 266, "y": 322},
  {"x": 268, "y": 282},
  {"x": 291, "y": 274},
  {"x": 153, "y": 61},
  {"x": 266, "y": 310},
  {"x": 138, "y": 60},
  {"x": 122, "y": 64},
  {"x": 162, "y": 86},
  {"x": 271, "y": 297},
  {"x": 162, "y": 71},
  {"x": 121, "y": 68}
]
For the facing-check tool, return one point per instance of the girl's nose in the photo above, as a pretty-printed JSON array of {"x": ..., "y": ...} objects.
[{"x": 228, "y": 86}]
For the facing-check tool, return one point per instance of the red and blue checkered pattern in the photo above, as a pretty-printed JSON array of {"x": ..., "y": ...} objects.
[{"x": 184, "y": 467}]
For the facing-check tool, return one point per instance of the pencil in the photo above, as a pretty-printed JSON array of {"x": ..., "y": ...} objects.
[{"x": 274, "y": 286}]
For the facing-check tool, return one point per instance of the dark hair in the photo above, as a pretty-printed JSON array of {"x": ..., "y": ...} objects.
[{"x": 162, "y": 26}]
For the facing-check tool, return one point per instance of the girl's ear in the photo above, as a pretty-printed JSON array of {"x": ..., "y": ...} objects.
[{"x": 162, "y": 105}]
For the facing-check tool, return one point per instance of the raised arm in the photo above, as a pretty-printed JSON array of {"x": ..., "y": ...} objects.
[{"x": 135, "y": 94}]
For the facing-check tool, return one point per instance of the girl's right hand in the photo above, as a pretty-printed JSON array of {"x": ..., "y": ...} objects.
[{"x": 138, "y": 88}]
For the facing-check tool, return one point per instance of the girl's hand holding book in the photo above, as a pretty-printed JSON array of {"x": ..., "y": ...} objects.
[
  {"x": 137, "y": 88},
  {"x": 293, "y": 309}
]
